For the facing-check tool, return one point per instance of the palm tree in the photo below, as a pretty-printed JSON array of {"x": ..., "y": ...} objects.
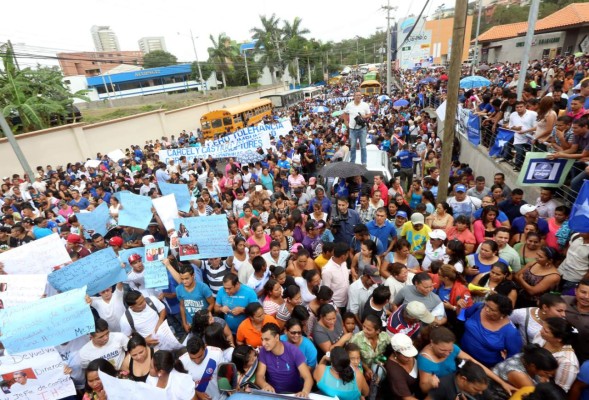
[
  {"x": 32, "y": 97},
  {"x": 293, "y": 37},
  {"x": 222, "y": 53},
  {"x": 267, "y": 44}
]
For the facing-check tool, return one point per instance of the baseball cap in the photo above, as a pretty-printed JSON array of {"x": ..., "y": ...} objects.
[
  {"x": 526, "y": 208},
  {"x": 133, "y": 258},
  {"x": 403, "y": 344},
  {"x": 373, "y": 273},
  {"x": 438, "y": 234},
  {"x": 73, "y": 238},
  {"x": 147, "y": 239},
  {"x": 417, "y": 218},
  {"x": 401, "y": 214},
  {"x": 460, "y": 188},
  {"x": 416, "y": 309},
  {"x": 116, "y": 241}
]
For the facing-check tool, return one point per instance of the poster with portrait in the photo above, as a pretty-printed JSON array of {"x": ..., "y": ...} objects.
[{"x": 537, "y": 170}]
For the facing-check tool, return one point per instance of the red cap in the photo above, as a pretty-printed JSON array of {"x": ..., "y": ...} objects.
[
  {"x": 73, "y": 238},
  {"x": 116, "y": 241},
  {"x": 133, "y": 258}
]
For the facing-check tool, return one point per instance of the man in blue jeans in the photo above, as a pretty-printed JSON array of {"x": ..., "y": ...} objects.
[{"x": 357, "y": 133}]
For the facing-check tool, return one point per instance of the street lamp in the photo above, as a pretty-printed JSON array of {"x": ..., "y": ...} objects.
[{"x": 202, "y": 82}]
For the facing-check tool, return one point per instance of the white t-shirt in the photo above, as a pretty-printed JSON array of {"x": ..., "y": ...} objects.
[
  {"x": 113, "y": 351},
  {"x": 204, "y": 374},
  {"x": 145, "y": 322},
  {"x": 136, "y": 281},
  {"x": 354, "y": 109},
  {"x": 179, "y": 387},
  {"x": 110, "y": 312},
  {"x": 526, "y": 121},
  {"x": 465, "y": 207}
]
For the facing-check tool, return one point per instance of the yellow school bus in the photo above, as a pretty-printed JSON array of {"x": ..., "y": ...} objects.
[
  {"x": 228, "y": 120},
  {"x": 369, "y": 88}
]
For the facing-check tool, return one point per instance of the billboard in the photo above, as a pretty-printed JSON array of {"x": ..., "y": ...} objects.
[{"x": 415, "y": 49}]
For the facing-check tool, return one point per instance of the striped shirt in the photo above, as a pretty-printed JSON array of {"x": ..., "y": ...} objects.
[{"x": 214, "y": 276}]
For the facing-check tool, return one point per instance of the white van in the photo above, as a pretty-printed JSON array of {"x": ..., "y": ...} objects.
[{"x": 377, "y": 163}]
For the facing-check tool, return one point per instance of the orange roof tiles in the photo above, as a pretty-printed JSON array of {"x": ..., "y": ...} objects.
[
  {"x": 573, "y": 14},
  {"x": 500, "y": 32}
]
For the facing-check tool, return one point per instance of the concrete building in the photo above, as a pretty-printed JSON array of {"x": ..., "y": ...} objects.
[
  {"x": 564, "y": 32},
  {"x": 151, "y": 43},
  {"x": 104, "y": 38},
  {"x": 90, "y": 63}
]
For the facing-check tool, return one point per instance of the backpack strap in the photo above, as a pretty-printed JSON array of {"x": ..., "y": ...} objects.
[
  {"x": 130, "y": 317},
  {"x": 526, "y": 323}
]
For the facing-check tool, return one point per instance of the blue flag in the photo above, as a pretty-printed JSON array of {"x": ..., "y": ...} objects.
[
  {"x": 579, "y": 220},
  {"x": 474, "y": 129},
  {"x": 503, "y": 137}
]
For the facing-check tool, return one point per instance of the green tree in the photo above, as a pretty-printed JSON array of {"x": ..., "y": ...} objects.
[
  {"x": 222, "y": 54},
  {"x": 267, "y": 44},
  {"x": 33, "y": 98},
  {"x": 292, "y": 36},
  {"x": 159, "y": 58}
]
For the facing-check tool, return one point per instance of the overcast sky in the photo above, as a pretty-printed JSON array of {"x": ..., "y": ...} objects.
[{"x": 44, "y": 27}]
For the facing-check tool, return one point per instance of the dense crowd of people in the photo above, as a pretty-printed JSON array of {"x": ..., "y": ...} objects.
[{"x": 347, "y": 287}]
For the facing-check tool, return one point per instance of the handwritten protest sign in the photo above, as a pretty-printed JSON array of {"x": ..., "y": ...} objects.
[
  {"x": 181, "y": 193},
  {"x": 47, "y": 322},
  {"x": 40, "y": 376},
  {"x": 21, "y": 289},
  {"x": 125, "y": 389},
  {"x": 135, "y": 211},
  {"x": 203, "y": 237},
  {"x": 37, "y": 257},
  {"x": 155, "y": 275},
  {"x": 116, "y": 155},
  {"x": 97, "y": 271},
  {"x": 250, "y": 138},
  {"x": 167, "y": 210},
  {"x": 125, "y": 254},
  {"x": 95, "y": 221}
]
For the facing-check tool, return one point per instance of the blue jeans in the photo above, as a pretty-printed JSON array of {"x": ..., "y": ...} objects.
[{"x": 355, "y": 135}]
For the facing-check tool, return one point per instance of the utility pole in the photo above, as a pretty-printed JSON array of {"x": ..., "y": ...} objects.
[
  {"x": 389, "y": 8},
  {"x": 202, "y": 83},
  {"x": 475, "y": 61},
  {"x": 523, "y": 69},
  {"x": 459, "y": 30},
  {"x": 16, "y": 148},
  {"x": 247, "y": 73}
]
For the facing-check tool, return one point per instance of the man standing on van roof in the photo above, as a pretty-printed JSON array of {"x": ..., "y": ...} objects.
[{"x": 357, "y": 128}]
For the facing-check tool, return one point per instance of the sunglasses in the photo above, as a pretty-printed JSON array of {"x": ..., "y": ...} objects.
[{"x": 295, "y": 333}]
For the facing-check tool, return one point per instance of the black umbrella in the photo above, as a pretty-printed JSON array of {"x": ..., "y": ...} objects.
[{"x": 343, "y": 169}]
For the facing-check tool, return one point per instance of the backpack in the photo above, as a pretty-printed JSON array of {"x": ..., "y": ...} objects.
[{"x": 130, "y": 318}]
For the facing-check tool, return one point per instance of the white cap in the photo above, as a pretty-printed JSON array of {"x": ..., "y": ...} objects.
[
  {"x": 527, "y": 208},
  {"x": 403, "y": 344},
  {"x": 417, "y": 309},
  {"x": 259, "y": 188},
  {"x": 437, "y": 234},
  {"x": 147, "y": 239}
]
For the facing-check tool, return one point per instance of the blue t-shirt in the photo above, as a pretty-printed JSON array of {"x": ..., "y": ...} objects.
[
  {"x": 282, "y": 372},
  {"x": 485, "y": 345},
  {"x": 443, "y": 293},
  {"x": 195, "y": 300},
  {"x": 501, "y": 217},
  {"x": 307, "y": 348},
  {"x": 583, "y": 376},
  {"x": 244, "y": 296},
  {"x": 519, "y": 225},
  {"x": 441, "y": 369},
  {"x": 83, "y": 203},
  {"x": 333, "y": 387},
  {"x": 385, "y": 233}
]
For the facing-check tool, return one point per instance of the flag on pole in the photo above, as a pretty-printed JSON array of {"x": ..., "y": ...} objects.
[
  {"x": 579, "y": 220},
  {"x": 503, "y": 137}
]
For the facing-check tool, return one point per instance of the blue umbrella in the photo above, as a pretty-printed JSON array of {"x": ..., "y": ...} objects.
[
  {"x": 320, "y": 109},
  {"x": 475, "y": 81},
  {"x": 250, "y": 156},
  {"x": 427, "y": 80},
  {"x": 401, "y": 103},
  {"x": 383, "y": 97}
]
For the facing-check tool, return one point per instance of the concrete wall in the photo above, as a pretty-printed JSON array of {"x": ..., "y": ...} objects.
[
  {"x": 511, "y": 49},
  {"x": 77, "y": 142},
  {"x": 480, "y": 162}
]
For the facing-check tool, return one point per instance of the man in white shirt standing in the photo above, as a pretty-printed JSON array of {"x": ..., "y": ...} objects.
[
  {"x": 523, "y": 122},
  {"x": 358, "y": 132},
  {"x": 335, "y": 275},
  {"x": 112, "y": 346}
]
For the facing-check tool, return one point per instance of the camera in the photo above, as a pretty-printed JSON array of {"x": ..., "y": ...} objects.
[
  {"x": 337, "y": 219},
  {"x": 360, "y": 122}
]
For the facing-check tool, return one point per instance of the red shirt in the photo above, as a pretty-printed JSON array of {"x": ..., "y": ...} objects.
[{"x": 384, "y": 193}]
